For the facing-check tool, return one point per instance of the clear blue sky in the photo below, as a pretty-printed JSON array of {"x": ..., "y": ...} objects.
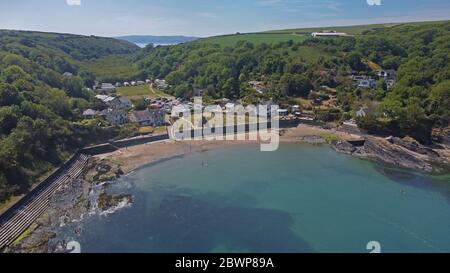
[{"x": 206, "y": 17}]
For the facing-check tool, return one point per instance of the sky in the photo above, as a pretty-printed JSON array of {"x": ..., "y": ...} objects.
[{"x": 207, "y": 17}]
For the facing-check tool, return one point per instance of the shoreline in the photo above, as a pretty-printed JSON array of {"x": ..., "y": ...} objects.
[
  {"x": 377, "y": 149},
  {"x": 133, "y": 158}
]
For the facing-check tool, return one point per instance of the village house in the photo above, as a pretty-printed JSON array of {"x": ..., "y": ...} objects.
[
  {"x": 89, "y": 114},
  {"x": 161, "y": 84},
  {"x": 107, "y": 88},
  {"x": 148, "y": 118},
  {"x": 115, "y": 102},
  {"x": 369, "y": 83},
  {"x": 105, "y": 99},
  {"x": 390, "y": 77},
  {"x": 125, "y": 103},
  {"x": 114, "y": 116}
]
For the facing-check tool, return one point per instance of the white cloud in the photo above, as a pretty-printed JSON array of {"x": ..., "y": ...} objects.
[{"x": 73, "y": 2}]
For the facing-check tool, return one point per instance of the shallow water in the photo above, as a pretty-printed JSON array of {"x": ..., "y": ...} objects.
[{"x": 301, "y": 198}]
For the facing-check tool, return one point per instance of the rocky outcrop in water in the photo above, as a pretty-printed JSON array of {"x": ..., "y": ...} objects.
[
  {"x": 70, "y": 205},
  {"x": 404, "y": 153},
  {"x": 100, "y": 171},
  {"x": 109, "y": 202}
]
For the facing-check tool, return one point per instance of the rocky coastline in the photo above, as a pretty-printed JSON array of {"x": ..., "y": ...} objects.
[
  {"x": 403, "y": 153},
  {"x": 84, "y": 197}
]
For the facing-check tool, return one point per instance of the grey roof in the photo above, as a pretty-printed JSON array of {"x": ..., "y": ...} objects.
[
  {"x": 125, "y": 100},
  {"x": 141, "y": 115},
  {"x": 89, "y": 112}
]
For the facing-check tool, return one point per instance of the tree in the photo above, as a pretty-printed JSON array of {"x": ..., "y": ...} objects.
[
  {"x": 439, "y": 103},
  {"x": 8, "y": 119},
  {"x": 296, "y": 85},
  {"x": 9, "y": 95},
  {"x": 13, "y": 73},
  {"x": 354, "y": 60}
]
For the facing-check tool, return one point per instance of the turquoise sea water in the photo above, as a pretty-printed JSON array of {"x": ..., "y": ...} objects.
[{"x": 299, "y": 199}]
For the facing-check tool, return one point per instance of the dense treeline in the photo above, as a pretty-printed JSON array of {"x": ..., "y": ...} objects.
[
  {"x": 40, "y": 107},
  {"x": 418, "y": 102}
]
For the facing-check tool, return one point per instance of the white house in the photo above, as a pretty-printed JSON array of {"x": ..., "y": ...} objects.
[
  {"x": 370, "y": 83},
  {"x": 329, "y": 34},
  {"x": 161, "y": 84}
]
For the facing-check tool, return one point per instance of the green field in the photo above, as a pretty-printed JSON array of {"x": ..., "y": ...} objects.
[
  {"x": 111, "y": 68},
  {"x": 356, "y": 29},
  {"x": 348, "y": 29},
  {"x": 140, "y": 91},
  {"x": 296, "y": 35},
  {"x": 255, "y": 38}
]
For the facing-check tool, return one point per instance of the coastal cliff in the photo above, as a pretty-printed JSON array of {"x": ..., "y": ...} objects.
[{"x": 403, "y": 153}]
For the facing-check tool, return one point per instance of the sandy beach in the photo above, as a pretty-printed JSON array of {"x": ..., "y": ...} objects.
[{"x": 134, "y": 157}]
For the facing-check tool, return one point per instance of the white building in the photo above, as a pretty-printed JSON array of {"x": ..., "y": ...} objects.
[
  {"x": 329, "y": 34},
  {"x": 107, "y": 87}
]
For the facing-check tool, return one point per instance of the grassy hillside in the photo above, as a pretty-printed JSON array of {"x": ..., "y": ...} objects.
[
  {"x": 112, "y": 68},
  {"x": 76, "y": 47},
  {"x": 40, "y": 108},
  {"x": 357, "y": 29}
]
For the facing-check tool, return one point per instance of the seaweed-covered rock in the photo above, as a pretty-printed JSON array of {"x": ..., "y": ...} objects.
[
  {"x": 102, "y": 171},
  {"x": 107, "y": 201}
]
